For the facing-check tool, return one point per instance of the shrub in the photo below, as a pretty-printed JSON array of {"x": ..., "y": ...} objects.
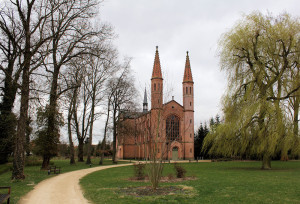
[
  {"x": 4, "y": 168},
  {"x": 170, "y": 176},
  {"x": 180, "y": 171},
  {"x": 35, "y": 161},
  {"x": 139, "y": 171}
]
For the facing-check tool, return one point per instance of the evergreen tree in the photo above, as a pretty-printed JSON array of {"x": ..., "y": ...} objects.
[{"x": 198, "y": 142}]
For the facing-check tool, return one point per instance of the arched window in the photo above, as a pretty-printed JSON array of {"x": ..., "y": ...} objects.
[
  {"x": 154, "y": 87},
  {"x": 172, "y": 128},
  {"x": 186, "y": 90}
]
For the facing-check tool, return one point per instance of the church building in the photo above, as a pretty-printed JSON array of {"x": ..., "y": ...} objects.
[{"x": 166, "y": 131}]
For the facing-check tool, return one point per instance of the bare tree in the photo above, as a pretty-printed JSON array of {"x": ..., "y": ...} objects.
[
  {"x": 33, "y": 16},
  {"x": 100, "y": 67},
  {"x": 72, "y": 37},
  {"x": 74, "y": 80},
  {"x": 123, "y": 96}
]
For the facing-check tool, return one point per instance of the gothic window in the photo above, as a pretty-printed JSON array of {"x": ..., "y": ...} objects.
[
  {"x": 186, "y": 90},
  {"x": 154, "y": 87},
  {"x": 172, "y": 128}
]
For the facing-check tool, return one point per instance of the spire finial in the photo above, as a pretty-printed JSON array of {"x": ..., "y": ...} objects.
[
  {"x": 156, "y": 48},
  {"x": 187, "y": 53}
]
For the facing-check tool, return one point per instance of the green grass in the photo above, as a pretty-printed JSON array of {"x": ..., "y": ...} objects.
[
  {"x": 219, "y": 182},
  {"x": 34, "y": 175}
]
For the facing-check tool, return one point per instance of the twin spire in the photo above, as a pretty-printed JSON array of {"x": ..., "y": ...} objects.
[
  {"x": 157, "y": 76},
  {"x": 157, "y": 69}
]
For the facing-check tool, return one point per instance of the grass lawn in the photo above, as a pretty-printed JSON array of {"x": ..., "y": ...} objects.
[
  {"x": 219, "y": 182},
  {"x": 34, "y": 175}
]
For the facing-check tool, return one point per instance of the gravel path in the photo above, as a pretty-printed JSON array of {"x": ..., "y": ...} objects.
[{"x": 63, "y": 188}]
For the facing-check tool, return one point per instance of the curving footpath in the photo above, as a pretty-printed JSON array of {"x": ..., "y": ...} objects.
[{"x": 63, "y": 188}]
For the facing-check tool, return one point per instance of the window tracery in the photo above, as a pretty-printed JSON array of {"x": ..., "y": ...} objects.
[{"x": 172, "y": 128}]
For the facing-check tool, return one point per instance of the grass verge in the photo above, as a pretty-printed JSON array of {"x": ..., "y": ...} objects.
[
  {"x": 218, "y": 182},
  {"x": 34, "y": 175}
]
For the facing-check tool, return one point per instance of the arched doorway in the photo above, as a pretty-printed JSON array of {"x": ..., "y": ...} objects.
[{"x": 175, "y": 153}]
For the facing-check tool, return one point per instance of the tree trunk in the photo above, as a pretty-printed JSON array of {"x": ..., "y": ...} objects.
[
  {"x": 72, "y": 152},
  {"x": 296, "y": 116},
  {"x": 266, "y": 162},
  {"x": 89, "y": 161},
  {"x": 70, "y": 113},
  {"x": 46, "y": 161},
  {"x": 114, "y": 137},
  {"x": 103, "y": 144},
  {"x": 52, "y": 129},
  {"x": 28, "y": 133},
  {"x": 80, "y": 149},
  {"x": 19, "y": 156}
]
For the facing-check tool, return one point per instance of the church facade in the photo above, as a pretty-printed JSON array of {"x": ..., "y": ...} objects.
[{"x": 166, "y": 131}]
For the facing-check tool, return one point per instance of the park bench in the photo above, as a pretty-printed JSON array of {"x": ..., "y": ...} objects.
[
  {"x": 5, "y": 196},
  {"x": 53, "y": 169}
]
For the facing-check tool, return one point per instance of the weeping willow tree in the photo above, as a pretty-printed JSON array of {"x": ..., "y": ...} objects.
[{"x": 259, "y": 54}]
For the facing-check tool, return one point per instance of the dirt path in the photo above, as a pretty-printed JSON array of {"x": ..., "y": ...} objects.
[{"x": 63, "y": 188}]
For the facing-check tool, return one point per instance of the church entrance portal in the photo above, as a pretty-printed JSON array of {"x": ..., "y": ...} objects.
[{"x": 175, "y": 153}]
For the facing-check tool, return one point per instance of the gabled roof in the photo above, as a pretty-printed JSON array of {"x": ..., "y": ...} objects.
[{"x": 174, "y": 102}]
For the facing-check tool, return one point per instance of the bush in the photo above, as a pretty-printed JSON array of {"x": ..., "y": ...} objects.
[
  {"x": 35, "y": 161},
  {"x": 139, "y": 171},
  {"x": 180, "y": 171},
  {"x": 170, "y": 176},
  {"x": 4, "y": 168}
]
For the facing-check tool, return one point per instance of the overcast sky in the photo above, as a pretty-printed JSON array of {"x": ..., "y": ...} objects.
[{"x": 177, "y": 26}]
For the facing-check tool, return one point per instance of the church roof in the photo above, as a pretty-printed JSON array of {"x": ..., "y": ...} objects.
[
  {"x": 156, "y": 67},
  {"x": 132, "y": 115},
  {"x": 188, "y": 77}
]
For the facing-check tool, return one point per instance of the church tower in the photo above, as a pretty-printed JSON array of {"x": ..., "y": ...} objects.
[
  {"x": 188, "y": 105},
  {"x": 156, "y": 84}
]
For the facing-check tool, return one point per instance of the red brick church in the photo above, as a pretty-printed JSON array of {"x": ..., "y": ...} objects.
[{"x": 167, "y": 129}]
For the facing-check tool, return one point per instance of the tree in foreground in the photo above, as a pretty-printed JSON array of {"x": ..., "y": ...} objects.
[{"x": 261, "y": 57}]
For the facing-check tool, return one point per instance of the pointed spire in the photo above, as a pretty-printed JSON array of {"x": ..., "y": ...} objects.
[
  {"x": 145, "y": 96},
  {"x": 187, "y": 72},
  {"x": 156, "y": 67},
  {"x": 145, "y": 103}
]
